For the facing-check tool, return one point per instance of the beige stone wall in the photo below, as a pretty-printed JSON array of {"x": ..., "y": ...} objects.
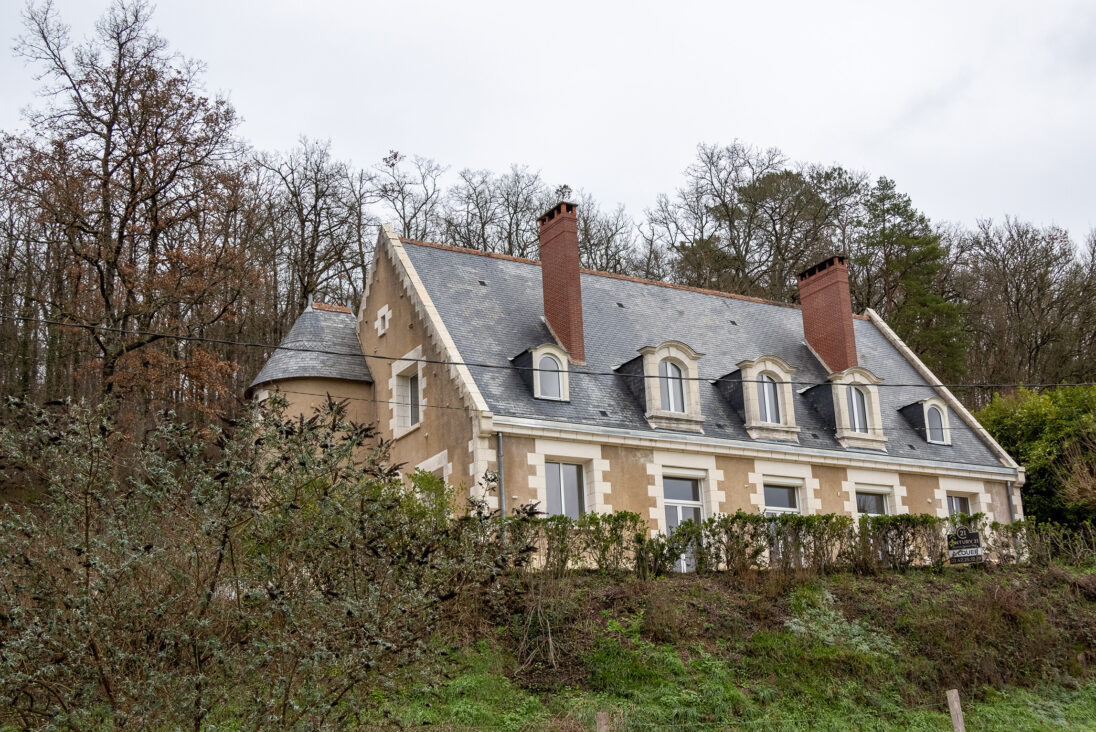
[
  {"x": 304, "y": 396},
  {"x": 998, "y": 500},
  {"x": 831, "y": 490},
  {"x": 628, "y": 478},
  {"x": 921, "y": 494},
  {"x": 515, "y": 456},
  {"x": 736, "y": 484},
  {"x": 633, "y": 478},
  {"x": 446, "y": 424}
]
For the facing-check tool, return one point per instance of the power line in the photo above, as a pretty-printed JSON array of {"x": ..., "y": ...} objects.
[{"x": 474, "y": 364}]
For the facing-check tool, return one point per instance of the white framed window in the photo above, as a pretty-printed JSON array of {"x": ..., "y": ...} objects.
[
  {"x": 871, "y": 503},
  {"x": 407, "y": 394},
  {"x": 565, "y": 489},
  {"x": 768, "y": 398},
  {"x": 781, "y": 499},
  {"x": 550, "y": 376},
  {"x": 858, "y": 410},
  {"x": 548, "y": 369},
  {"x": 958, "y": 505},
  {"x": 671, "y": 386},
  {"x": 409, "y": 400},
  {"x": 681, "y": 498},
  {"x": 934, "y": 424}
]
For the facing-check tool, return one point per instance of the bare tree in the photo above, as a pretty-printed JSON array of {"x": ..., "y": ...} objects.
[
  {"x": 131, "y": 163},
  {"x": 411, "y": 193}
]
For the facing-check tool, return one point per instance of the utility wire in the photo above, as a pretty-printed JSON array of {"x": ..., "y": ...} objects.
[{"x": 474, "y": 364}]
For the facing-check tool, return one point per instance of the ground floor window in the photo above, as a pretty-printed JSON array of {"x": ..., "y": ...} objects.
[
  {"x": 781, "y": 499},
  {"x": 565, "y": 491},
  {"x": 682, "y": 500},
  {"x": 958, "y": 505},
  {"x": 869, "y": 503}
]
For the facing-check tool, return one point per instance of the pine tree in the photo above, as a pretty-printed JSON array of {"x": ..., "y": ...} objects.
[{"x": 900, "y": 258}]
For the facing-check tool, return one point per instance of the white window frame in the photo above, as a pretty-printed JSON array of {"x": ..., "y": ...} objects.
[
  {"x": 549, "y": 349},
  {"x": 406, "y": 371},
  {"x": 671, "y": 387},
  {"x": 582, "y": 509},
  {"x": 972, "y": 506},
  {"x": 858, "y": 410},
  {"x": 875, "y": 490},
  {"x": 698, "y": 476},
  {"x": 797, "y": 491},
  {"x": 927, "y": 406},
  {"x": 768, "y": 397}
]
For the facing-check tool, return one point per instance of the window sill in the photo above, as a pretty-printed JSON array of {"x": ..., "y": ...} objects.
[
  {"x": 550, "y": 399},
  {"x": 770, "y": 431},
  {"x": 659, "y": 419},
  {"x": 862, "y": 440},
  {"x": 404, "y": 431}
]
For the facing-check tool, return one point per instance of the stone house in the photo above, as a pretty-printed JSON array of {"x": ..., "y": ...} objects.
[{"x": 588, "y": 391}]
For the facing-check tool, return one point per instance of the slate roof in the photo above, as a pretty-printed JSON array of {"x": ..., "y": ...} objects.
[
  {"x": 319, "y": 328},
  {"x": 493, "y": 322}
]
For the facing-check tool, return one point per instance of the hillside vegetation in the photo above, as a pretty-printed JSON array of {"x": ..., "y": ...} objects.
[
  {"x": 773, "y": 651},
  {"x": 281, "y": 575}
]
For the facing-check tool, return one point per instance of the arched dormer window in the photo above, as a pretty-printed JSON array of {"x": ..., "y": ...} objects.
[
  {"x": 668, "y": 384},
  {"x": 550, "y": 377},
  {"x": 768, "y": 398},
  {"x": 544, "y": 369},
  {"x": 934, "y": 423},
  {"x": 858, "y": 410},
  {"x": 671, "y": 386},
  {"x": 765, "y": 397}
]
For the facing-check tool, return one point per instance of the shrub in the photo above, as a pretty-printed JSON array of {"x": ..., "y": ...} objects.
[
  {"x": 604, "y": 538},
  {"x": 739, "y": 540},
  {"x": 283, "y": 562}
]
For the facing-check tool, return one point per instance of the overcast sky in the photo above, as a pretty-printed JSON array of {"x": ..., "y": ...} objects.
[{"x": 975, "y": 109}]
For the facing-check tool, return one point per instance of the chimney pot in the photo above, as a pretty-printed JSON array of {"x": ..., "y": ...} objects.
[
  {"x": 559, "y": 271},
  {"x": 827, "y": 312}
]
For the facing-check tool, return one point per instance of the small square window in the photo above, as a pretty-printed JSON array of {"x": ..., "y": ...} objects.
[{"x": 958, "y": 505}]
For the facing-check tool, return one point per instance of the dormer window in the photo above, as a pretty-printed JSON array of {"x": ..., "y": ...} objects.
[
  {"x": 671, "y": 386},
  {"x": 544, "y": 371},
  {"x": 665, "y": 379},
  {"x": 768, "y": 397},
  {"x": 761, "y": 391},
  {"x": 858, "y": 410},
  {"x": 857, "y": 416},
  {"x": 930, "y": 418}
]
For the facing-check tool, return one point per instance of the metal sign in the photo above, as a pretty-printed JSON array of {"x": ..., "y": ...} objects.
[{"x": 965, "y": 547}]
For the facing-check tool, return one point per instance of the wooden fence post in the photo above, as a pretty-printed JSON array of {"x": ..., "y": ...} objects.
[
  {"x": 602, "y": 722},
  {"x": 956, "y": 711}
]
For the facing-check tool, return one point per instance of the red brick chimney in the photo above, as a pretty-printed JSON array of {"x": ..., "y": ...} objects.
[
  {"x": 560, "y": 277},
  {"x": 827, "y": 312}
]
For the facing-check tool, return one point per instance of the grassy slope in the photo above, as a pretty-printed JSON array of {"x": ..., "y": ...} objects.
[{"x": 775, "y": 652}]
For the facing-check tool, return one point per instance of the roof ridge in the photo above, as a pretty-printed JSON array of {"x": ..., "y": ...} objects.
[
  {"x": 610, "y": 275},
  {"x": 327, "y": 308}
]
